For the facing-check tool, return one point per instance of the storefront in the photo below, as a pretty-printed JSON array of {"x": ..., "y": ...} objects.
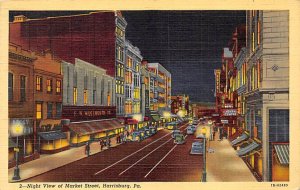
[
  {"x": 85, "y": 131},
  {"x": 280, "y": 161},
  {"x": 51, "y": 138},
  {"x": 52, "y": 142},
  {"x": 21, "y": 136}
]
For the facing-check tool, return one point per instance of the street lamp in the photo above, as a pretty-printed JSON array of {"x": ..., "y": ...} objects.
[
  {"x": 202, "y": 136},
  {"x": 16, "y": 131}
]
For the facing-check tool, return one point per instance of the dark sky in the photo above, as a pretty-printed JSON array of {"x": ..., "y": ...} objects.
[{"x": 187, "y": 43}]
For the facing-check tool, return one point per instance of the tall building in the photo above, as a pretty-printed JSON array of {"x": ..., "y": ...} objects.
[
  {"x": 97, "y": 37},
  {"x": 180, "y": 103},
  {"x": 160, "y": 88},
  {"x": 267, "y": 96},
  {"x": 133, "y": 86}
]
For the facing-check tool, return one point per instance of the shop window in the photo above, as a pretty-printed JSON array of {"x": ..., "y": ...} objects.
[
  {"x": 75, "y": 94},
  {"x": 22, "y": 88},
  {"x": 38, "y": 110},
  {"x": 49, "y": 110},
  {"x": 58, "y": 86},
  {"x": 279, "y": 125},
  {"x": 39, "y": 83},
  {"x": 49, "y": 85},
  {"x": 10, "y": 86}
]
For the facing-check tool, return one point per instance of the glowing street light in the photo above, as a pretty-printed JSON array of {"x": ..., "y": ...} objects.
[
  {"x": 181, "y": 113},
  {"x": 203, "y": 136},
  {"x": 166, "y": 114},
  {"x": 17, "y": 130}
]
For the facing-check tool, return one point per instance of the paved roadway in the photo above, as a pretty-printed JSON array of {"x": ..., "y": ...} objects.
[{"x": 154, "y": 159}]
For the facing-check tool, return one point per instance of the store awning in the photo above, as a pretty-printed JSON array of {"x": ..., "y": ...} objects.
[
  {"x": 53, "y": 135},
  {"x": 247, "y": 149},
  {"x": 283, "y": 153},
  {"x": 91, "y": 127},
  {"x": 239, "y": 139},
  {"x": 11, "y": 144}
]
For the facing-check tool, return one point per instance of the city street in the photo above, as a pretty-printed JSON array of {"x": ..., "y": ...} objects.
[{"x": 154, "y": 159}]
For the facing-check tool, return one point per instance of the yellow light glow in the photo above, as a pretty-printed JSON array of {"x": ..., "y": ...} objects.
[
  {"x": 181, "y": 113},
  {"x": 138, "y": 117},
  {"x": 17, "y": 129},
  {"x": 166, "y": 114}
]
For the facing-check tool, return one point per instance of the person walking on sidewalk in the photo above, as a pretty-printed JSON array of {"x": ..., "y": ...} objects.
[
  {"x": 87, "y": 149},
  {"x": 108, "y": 142},
  {"x": 101, "y": 144}
]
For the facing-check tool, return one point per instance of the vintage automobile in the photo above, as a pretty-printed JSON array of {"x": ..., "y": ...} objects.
[
  {"x": 153, "y": 130},
  {"x": 197, "y": 148},
  {"x": 171, "y": 125},
  {"x": 175, "y": 132},
  {"x": 179, "y": 139},
  {"x": 190, "y": 130}
]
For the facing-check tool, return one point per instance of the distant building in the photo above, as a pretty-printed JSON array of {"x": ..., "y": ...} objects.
[{"x": 180, "y": 103}]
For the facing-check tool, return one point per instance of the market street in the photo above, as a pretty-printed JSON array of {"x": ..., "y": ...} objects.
[{"x": 155, "y": 159}]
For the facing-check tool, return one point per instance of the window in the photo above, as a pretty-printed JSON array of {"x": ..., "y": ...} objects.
[
  {"x": 94, "y": 96},
  {"x": 102, "y": 92},
  {"x": 85, "y": 97},
  {"x": 49, "y": 85},
  {"x": 38, "y": 110},
  {"x": 278, "y": 125},
  {"x": 119, "y": 32},
  {"x": 108, "y": 99},
  {"x": 22, "y": 88},
  {"x": 58, "y": 86},
  {"x": 39, "y": 83},
  {"x": 75, "y": 93},
  {"x": 49, "y": 110},
  {"x": 58, "y": 110},
  {"x": 10, "y": 86},
  {"x": 119, "y": 53}
]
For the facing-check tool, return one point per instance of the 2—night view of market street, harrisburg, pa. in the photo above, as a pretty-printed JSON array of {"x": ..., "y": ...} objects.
[{"x": 134, "y": 96}]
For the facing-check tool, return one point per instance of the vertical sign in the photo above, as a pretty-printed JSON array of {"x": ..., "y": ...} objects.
[{"x": 217, "y": 81}]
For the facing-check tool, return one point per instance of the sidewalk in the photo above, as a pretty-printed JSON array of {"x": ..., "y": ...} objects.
[
  {"x": 49, "y": 162},
  {"x": 223, "y": 165}
]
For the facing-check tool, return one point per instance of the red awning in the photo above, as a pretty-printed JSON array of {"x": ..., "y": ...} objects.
[
  {"x": 146, "y": 118},
  {"x": 132, "y": 121},
  {"x": 86, "y": 128}
]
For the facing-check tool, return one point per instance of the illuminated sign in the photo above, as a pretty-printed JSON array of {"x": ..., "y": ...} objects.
[
  {"x": 20, "y": 127},
  {"x": 217, "y": 80},
  {"x": 229, "y": 112},
  {"x": 224, "y": 121}
]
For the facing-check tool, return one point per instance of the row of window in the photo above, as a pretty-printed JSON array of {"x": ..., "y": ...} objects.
[
  {"x": 120, "y": 70},
  {"x": 49, "y": 85},
  {"x": 133, "y": 64},
  {"x": 254, "y": 76},
  {"x": 22, "y": 88},
  {"x": 119, "y": 87},
  {"x": 94, "y": 97},
  {"x": 50, "y": 110},
  {"x": 120, "y": 53}
]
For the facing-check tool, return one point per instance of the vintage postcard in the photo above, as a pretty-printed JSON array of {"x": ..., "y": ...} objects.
[{"x": 150, "y": 94}]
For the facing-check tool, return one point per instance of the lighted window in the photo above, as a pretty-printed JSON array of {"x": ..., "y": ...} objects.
[
  {"x": 49, "y": 85},
  {"x": 58, "y": 86},
  {"x": 39, "y": 83},
  {"x": 38, "y": 110},
  {"x": 75, "y": 93},
  {"x": 85, "y": 97},
  {"x": 108, "y": 99}
]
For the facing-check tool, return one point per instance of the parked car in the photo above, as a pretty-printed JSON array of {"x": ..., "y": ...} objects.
[
  {"x": 175, "y": 132},
  {"x": 153, "y": 130},
  {"x": 194, "y": 127},
  {"x": 190, "y": 130},
  {"x": 135, "y": 136},
  {"x": 171, "y": 126},
  {"x": 147, "y": 133},
  {"x": 179, "y": 139},
  {"x": 197, "y": 148}
]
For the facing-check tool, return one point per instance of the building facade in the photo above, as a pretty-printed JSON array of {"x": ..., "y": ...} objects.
[
  {"x": 48, "y": 96},
  {"x": 21, "y": 105},
  {"x": 85, "y": 84},
  {"x": 267, "y": 96},
  {"x": 180, "y": 103},
  {"x": 96, "y": 37}
]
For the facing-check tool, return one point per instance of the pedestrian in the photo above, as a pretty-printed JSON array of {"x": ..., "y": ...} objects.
[
  {"x": 87, "y": 149},
  {"x": 101, "y": 144},
  {"x": 220, "y": 133},
  {"x": 108, "y": 142},
  {"x": 121, "y": 138}
]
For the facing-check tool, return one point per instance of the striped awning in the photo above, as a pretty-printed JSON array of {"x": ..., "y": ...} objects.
[
  {"x": 239, "y": 139},
  {"x": 247, "y": 149},
  {"x": 91, "y": 127},
  {"x": 283, "y": 153}
]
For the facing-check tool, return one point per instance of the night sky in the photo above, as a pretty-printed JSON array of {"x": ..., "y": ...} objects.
[{"x": 187, "y": 43}]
